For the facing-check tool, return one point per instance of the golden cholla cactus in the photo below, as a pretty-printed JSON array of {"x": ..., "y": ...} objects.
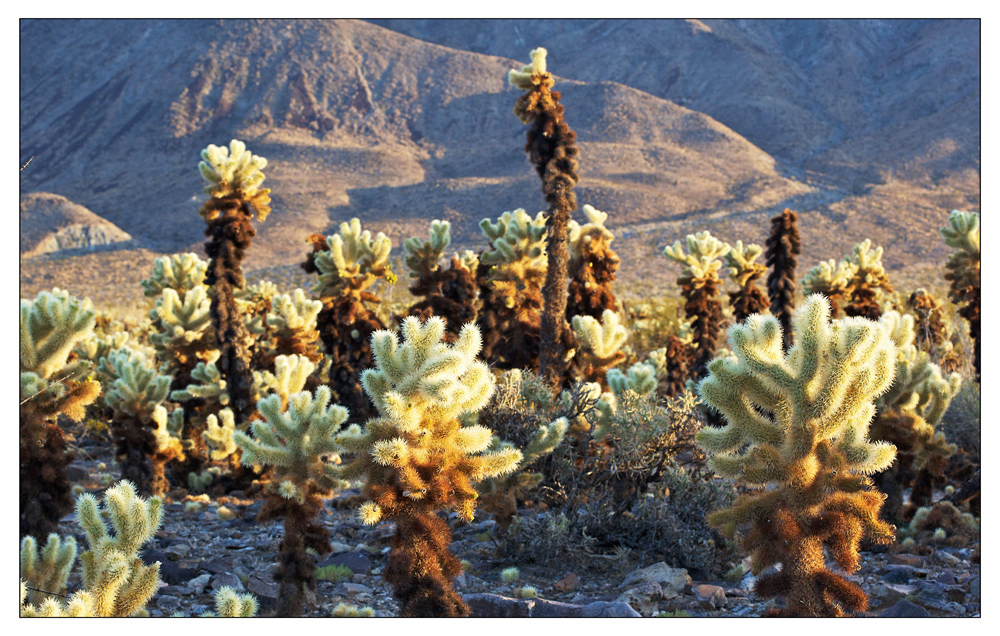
[
  {"x": 831, "y": 279},
  {"x": 51, "y": 385},
  {"x": 592, "y": 266},
  {"x": 962, "y": 235},
  {"x": 600, "y": 345},
  {"x": 352, "y": 262},
  {"x": 745, "y": 271},
  {"x": 699, "y": 284},
  {"x": 296, "y": 436},
  {"x": 796, "y": 427},
  {"x": 47, "y": 571},
  {"x": 510, "y": 278},
  {"x": 418, "y": 458},
  {"x": 234, "y": 173},
  {"x": 180, "y": 272},
  {"x": 868, "y": 282},
  {"x": 229, "y": 604}
]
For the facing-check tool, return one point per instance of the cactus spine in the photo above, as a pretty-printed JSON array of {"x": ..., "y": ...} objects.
[
  {"x": 551, "y": 147},
  {"x": 797, "y": 424}
]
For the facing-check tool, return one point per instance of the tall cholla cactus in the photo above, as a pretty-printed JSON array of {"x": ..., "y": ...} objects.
[
  {"x": 600, "y": 346},
  {"x": 831, "y": 279},
  {"x": 234, "y": 177},
  {"x": 510, "y": 285},
  {"x": 699, "y": 284},
  {"x": 448, "y": 293},
  {"x": 135, "y": 393},
  {"x": 417, "y": 458},
  {"x": 868, "y": 282},
  {"x": 115, "y": 580},
  {"x": 296, "y": 439},
  {"x": 797, "y": 428},
  {"x": 749, "y": 298},
  {"x": 907, "y": 415},
  {"x": 592, "y": 266},
  {"x": 551, "y": 147},
  {"x": 47, "y": 571},
  {"x": 51, "y": 325},
  {"x": 783, "y": 248},
  {"x": 349, "y": 264},
  {"x": 962, "y": 235}
]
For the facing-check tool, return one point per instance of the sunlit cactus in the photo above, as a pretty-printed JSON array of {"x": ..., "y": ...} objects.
[
  {"x": 179, "y": 272},
  {"x": 349, "y": 264},
  {"x": 116, "y": 583},
  {"x": 749, "y": 298},
  {"x": 448, "y": 293},
  {"x": 551, "y": 147},
  {"x": 51, "y": 385},
  {"x": 229, "y": 604},
  {"x": 48, "y": 570},
  {"x": 600, "y": 345},
  {"x": 869, "y": 281},
  {"x": 699, "y": 284},
  {"x": 510, "y": 278},
  {"x": 796, "y": 428},
  {"x": 962, "y": 235},
  {"x": 418, "y": 458},
  {"x": 831, "y": 279},
  {"x": 592, "y": 266}
]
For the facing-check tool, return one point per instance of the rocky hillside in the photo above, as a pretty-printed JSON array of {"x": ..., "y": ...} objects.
[
  {"x": 870, "y": 128},
  {"x": 52, "y": 223}
]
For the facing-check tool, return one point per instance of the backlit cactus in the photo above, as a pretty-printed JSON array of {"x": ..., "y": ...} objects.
[
  {"x": 47, "y": 571},
  {"x": 448, "y": 293},
  {"x": 869, "y": 281},
  {"x": 51, "y": 385},
  {"x": 551, "y": 147},
  {"x": 179, "y": 272},
  {"x": 831, "y": 279},
  {"x": 745, "y": 271},
  {"x": 962, "y": 235},
  {"x": 600, "y": 345},
  {"x": 699, "y": 284},
  {"x": 418, "y": 458},
  {"x": 797, "y": 428},
  {"x": 349, "y": 264},
  {"x": 592, "y": 266}
]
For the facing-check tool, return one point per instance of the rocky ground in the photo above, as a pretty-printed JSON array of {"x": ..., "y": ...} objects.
[{"x": 200, "y": 551}]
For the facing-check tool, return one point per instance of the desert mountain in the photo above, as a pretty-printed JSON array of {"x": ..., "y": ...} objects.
[
  {"x": 679, "y": 124},
  {"x": 52, "y": 223}
]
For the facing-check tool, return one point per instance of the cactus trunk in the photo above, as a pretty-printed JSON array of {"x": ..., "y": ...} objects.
[{"x": 421, "y": 568}]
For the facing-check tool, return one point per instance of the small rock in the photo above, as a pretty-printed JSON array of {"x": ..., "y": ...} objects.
[
  {"x": 932, "y": 594},
  {"x": 906, "y": 559},
  {"x": 382, "y": 532},
  {"x": 351, "y": 589},
  {"x": 218, "y": 565},
  {"x": 496, "y": 606},
  {"x": 567, "y": 583},
  {"x": 605, "y": 609},
  {"x": 946, "y": 558},
  {"x": 645, "y": 598},
  {"x": 177, "y": 590},
  {"x": 227, "y": 579},
  {"x": 709, "y": 596},
  {"x": 671, "y": 580},
  {"x": 955, "y": 608},
  {"x": 177, "y": 551},
  {"x": 337, "y": 547},
  {"x": 260, "y": 587},
  {"x": 170, "y": 572},
  {"x": 198, "y": 609},
  {"x": 975, "y": 587},
  {"x": 167, "y": 603},
  {"x": 199, "y": 583},
  {"x": 901, "y": 574},
  {"x": 905, "y": 609}
]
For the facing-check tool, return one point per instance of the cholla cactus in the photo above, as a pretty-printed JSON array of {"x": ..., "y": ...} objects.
[
  {"x": 234, "y": 176},
  {"x": 48, "y": 571},
  {"x": 179, "y": 272},
  {"x": 868, "y": 283},
  {"x": 831, "y": 279},
  {"x": 133, "y": 395},
  {"x": 418, "y": 458},
  {"x": 749, "y": 298},
  {"x": 51, "y": 325},
  {"x": 783, "y": 248},
  {"x": 962, "y": 235},
  {"x": 510, "y": 285},
  {"x": 95, "y": 347},
  {"x": 349, "y": 264},
  {"x": 296, "y": 437},
  {"x": 551, "y": 147},
  {"x": 451, "y": 293},
  {"x": 592, "y": 266},
  {"x": 908, "y": 414},
  {"x": 183, "y": 336},
  {"x": 600, "y": 346},
  {"x": 797, "y": 424},
  {"x": 293, "y": 321},
  {"x": 115, "y": 580},
  {"x": 932, "y": 334},
  {"x": 641, "y": 379},
  {"x": 699, "y": 284},
  {"x": 229, "y": 604}
]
